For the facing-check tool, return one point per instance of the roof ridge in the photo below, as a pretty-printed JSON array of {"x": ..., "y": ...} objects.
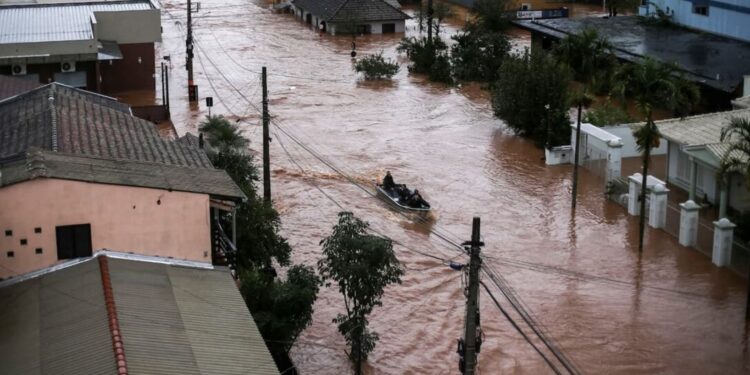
[{"x": 338, "y": 9}]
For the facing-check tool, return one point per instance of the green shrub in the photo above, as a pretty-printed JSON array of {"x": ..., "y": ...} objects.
[
  {"x": 531, "y": 95},
  {"x": 428, "y": 58},
  {"x": 376, "y": 67}
]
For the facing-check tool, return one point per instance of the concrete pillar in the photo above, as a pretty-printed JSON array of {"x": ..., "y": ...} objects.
[
  {"x": 688, "y": 223},
  {"x": 723, "y": 238},
  {"x": 614, "y": 160},
  {"x": 634, "y": 189},
  {"x": 657, "y": 214}
]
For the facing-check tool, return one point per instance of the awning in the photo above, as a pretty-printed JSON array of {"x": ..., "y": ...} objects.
[
  {"x": 703, "y": 155},
  {"x": 109, "y": 51}
]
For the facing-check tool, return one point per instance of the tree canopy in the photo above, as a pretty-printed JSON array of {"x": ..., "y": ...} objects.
[{"x": 362, "y": 265}]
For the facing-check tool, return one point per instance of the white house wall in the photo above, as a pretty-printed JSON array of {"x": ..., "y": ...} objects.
[
  {"x": 629, "y": 150},
  {"x": 725, "y": 17},
  {"x": 679, "y": 175}
]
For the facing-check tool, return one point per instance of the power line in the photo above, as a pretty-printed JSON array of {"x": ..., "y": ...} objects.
[{"x": 515, "y": 325}]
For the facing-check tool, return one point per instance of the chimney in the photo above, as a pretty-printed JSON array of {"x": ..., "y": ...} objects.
[{"x": 200, "y": 140}]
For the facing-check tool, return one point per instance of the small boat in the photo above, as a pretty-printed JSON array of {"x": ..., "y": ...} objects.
[{"x": 397, "y": 194}]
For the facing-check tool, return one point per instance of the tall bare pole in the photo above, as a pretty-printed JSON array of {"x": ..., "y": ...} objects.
[
  {"x": 266, "y": 153},
  {"x": 429, "y": 21},
  {"x": 192, "y": 94},
  {"x": 472, "y": 302}
]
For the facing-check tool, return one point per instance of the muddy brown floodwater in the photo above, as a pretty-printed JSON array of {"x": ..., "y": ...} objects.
[{"x": 609, "y": 310}]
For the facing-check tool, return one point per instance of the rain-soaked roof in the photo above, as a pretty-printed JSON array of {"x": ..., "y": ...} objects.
[
  {"x": 711, "y": 60},
  {"x": 56, "y": 22}
]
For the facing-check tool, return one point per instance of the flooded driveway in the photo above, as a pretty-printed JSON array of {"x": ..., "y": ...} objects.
[{"x": 580, "y": 276}]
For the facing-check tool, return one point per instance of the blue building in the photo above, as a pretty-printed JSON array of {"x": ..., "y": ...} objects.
[{"x": 724, "y": 17}]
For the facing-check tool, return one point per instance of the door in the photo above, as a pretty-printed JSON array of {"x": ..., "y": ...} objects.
[
  {"x": 389, "y": 28},
  {"x": 73, "y": 241}
]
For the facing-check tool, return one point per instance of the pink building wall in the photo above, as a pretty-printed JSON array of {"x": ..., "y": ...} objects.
[{"x": 129, "y": 219}]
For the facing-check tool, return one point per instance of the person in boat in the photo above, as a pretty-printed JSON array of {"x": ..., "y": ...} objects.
[
  {"x": 388, "y": 181},
  {"x": 415, "y": 200}
]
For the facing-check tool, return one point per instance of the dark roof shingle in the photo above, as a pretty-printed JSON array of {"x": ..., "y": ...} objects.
[
  {"x": 97, "y": 139},
  {"x": 345, "y": 10}
]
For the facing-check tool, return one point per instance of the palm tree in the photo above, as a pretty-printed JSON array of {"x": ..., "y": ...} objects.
[
  {"x": 590, "y": 57},
  {"x": 737, "y": 159},
  {"x": 223, "y": 135},
  {"x": 650, "y": 84}
]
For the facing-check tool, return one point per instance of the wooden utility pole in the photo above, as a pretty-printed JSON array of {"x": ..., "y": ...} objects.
[
  {"x": 266, "y": 154},
  {"x": 192, "y": 88},
  {"x": 472, "y": 306},
  {"x": 429, "y": 21}
]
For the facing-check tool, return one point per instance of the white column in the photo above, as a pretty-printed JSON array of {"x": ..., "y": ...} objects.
[
  {"x": 634, "y": 189},
  {"x": 657, "y": 214},
  {"x": 723, "y": 237},
  {"x": 688, "y": 223},
  {"x": 614, "y": 160}
]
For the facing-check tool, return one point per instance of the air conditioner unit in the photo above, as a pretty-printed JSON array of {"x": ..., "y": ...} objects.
[
  {"x": 18, "y": 69},
  {"x": 68, "y": 66}
]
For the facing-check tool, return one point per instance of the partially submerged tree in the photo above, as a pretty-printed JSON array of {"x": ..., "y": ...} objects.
[
  {"x": 376, "y": 67},
  {"x": 478, "y": 54},
  {"x": 492, "y": 15},
  {"x": 531, "y": 96},
  {"x": 590, "y": 57},
  {"x": 362, "y": 265},
  {"x": 651, "y": 84},
  {"x": 427, "y": 57}
]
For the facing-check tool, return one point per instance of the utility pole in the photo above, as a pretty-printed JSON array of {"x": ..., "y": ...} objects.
[
  {"x": 472, "y": 335},
  {"x": 577, "y": 152},
  {"x": 429, "y": 21},
  {"x": 192, "y": 88},
  {"x": 266, "y": 154}
]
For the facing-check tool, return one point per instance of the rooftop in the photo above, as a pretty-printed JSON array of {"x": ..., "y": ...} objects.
[
  {"x": 700, "y": 135},
  {"x": 708, "y": 59},
  {"x": 172, "y": 319},
  {"x": 345, "y": 10},
  {"x": 12, "y": 86},
  {"x": 61, "y": 132},
  {"x": 51, "y": 22}
]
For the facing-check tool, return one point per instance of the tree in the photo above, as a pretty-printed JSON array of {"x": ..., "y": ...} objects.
[
  {"x": 281, "y": 308},
  {"x": 427, "y": 57},
  {"x": 440, "y": 13},
  {"x": 531, "y": 96},
  {"x": 590, "y": 58},
  {"x": 478, "y": 54},
  {"x": 492, "y": 15},
  {"x": 650, "y": 84},
  {"x": 376, "y": 67},
  {"x": 737, "y": 157},
  {"x": 362, "y": 265},
  {"x": 222, "y": 135},
  {"x": 607, "y": 114}
]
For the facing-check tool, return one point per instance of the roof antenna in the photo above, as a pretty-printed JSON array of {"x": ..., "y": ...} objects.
[{"x": 53, "y": 117}]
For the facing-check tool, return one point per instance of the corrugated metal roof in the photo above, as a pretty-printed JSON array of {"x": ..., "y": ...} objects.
[
  {"x": 56, "y": 324},
  {"x": 223, "y": 335},
  {"x": 180, "y": 320},
  {"x": 173, "y": 320},
  {"x": 55, "y": 22}
]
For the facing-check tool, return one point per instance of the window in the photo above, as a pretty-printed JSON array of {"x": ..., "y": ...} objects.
[
  {"x": 73, "y": 241},
  {"x": 700, "y": 9},
  {"x": 8, "y": 233},
  {"x": 38, "y": 250},
  {"x": 389, "y": 28},
  {"x": 10, "y": 254},
  {"x": 37, "y": 230},
  {"x": 24, "y": 241}
]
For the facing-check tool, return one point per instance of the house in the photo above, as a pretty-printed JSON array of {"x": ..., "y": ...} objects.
[
  {"x": 726, "y": 17},
  {"x": 12, "y": 86},
  {"x": 102, "y": 46},
  {"x": 719, "y": 65},
  {"x": 79, "y": 172},
  {"x": 117, "y": 313},
  {"x": 694, "y": 153},
  {"x": 347, "y": 16}
]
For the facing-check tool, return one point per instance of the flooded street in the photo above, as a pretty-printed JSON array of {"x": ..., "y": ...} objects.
[{"x": 581, "y": 278}]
